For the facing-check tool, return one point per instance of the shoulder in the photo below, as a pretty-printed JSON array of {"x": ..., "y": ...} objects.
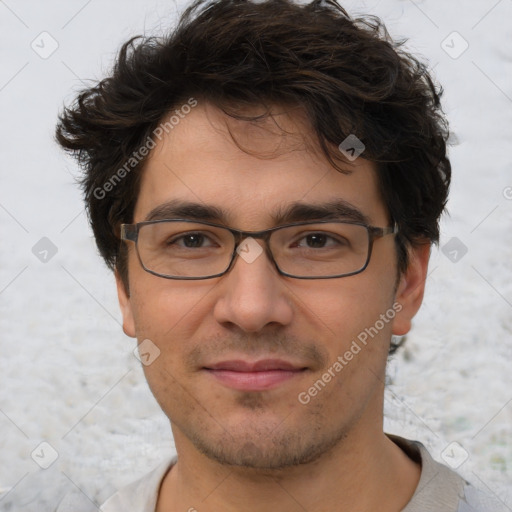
[
  {"x": 441, "y": 489},
  {"x": 141, "y": 495},
  {"x": 474, "y": 500}
]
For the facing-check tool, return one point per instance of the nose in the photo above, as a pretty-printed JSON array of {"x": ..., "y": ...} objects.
[{"x": 252, "y": 294}]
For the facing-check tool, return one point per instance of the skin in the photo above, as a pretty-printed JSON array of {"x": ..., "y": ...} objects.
[{"x": 252, "y": 450}]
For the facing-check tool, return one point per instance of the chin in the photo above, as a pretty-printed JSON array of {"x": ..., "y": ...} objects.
[{"x": 267, "y": 449}]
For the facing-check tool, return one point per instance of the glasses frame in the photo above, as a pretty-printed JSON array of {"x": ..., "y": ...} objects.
[{"x": 131, "y": 232}]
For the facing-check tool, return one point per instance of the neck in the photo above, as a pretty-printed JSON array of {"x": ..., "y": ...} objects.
[{"x": 361, "y": 474}]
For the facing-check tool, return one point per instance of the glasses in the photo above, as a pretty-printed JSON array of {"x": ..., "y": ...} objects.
[{"x": 187, "y": 249}]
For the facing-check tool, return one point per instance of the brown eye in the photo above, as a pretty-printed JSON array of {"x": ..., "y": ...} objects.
[
  {"x": 318, "y": 241},
  {"x": 191, "y": 241}
]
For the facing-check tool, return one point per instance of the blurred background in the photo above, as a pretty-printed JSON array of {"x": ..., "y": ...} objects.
[{"x": 75, "y": 412}]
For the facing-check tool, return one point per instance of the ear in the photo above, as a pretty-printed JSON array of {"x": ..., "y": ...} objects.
[
  {"x": 126, "y": 307},
  {"x": 411, "y": 288}
]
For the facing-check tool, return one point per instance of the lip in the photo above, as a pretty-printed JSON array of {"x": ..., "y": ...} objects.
[{"x": 256, "y": 375}]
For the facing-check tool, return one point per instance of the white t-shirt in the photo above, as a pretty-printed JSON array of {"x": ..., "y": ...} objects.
[{"x": 439, "y": 490}]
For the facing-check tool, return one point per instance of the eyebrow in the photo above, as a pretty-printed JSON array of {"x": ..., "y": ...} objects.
[
  {"x": 177, "y": 209},
  {"x": 337, "y": 209}
]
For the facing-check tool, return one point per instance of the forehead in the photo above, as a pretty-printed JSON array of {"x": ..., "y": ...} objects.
[{"x": 251, "y": 170}]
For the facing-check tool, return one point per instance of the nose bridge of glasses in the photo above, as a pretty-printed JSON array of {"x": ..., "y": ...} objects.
[
  {"x": 248, "y": 248},
  {"x": 241, "y": 235}
]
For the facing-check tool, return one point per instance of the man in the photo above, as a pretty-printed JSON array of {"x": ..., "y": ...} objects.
[{"x": 266, "y": 183}]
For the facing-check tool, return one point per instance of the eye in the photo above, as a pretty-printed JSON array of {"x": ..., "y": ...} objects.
[
  {"x": 318, "y": 241},
  {"x": 191, "y": 241}
]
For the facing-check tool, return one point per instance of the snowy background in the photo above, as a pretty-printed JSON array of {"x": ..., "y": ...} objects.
[{"x": 67, "y": 373}]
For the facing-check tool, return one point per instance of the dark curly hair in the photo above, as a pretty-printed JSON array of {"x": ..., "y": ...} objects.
[{"x": 347, "y": 75}]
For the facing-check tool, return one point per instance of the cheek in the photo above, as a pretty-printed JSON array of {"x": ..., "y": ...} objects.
[
  {"x": 172, "y": 315},
  {"x": 166, "y": 309},
  {"x": 355, "y": 328},
  {"x": 342, "y": 309},
  {"x": 169, "y": 317}
]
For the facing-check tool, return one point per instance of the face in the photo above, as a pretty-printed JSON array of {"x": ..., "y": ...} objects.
[{"x": 247, "y": 369}]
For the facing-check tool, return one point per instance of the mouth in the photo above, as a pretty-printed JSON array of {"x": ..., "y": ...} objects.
[{"x": 254, "y": 376}]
